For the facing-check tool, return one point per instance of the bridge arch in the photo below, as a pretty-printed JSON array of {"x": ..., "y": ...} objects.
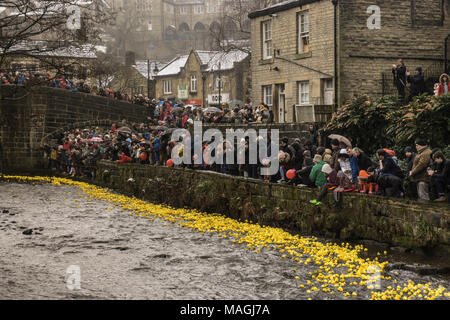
[
  {"x": 199, "y": 27},
  {"x": 184, "y": 27}
]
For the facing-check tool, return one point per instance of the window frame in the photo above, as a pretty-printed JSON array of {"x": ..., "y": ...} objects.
[
  {"x": 266, "y": 95},
  {"x": 167, "y": 86},
  {"x": 193, "y": 83},
  {"x": 267, "y": 43},
  {"x": 301, "y": 93},
  {"x": 301, "y": 34}
]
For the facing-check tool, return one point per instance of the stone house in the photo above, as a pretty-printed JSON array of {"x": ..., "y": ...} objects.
[
  {"x": 166, "y": 28},
  {"x": 76, "y": 62},
  {"x": 295, "y": 62},
  {"x": 206, "y": 78}
]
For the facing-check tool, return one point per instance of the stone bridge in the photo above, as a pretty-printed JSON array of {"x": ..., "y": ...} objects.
[{"x": 30, "y": 115}]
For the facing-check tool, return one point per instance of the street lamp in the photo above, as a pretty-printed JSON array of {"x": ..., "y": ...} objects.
[
  {"x": 220, "y": 86},
  {"x": 155, "y": 71}
]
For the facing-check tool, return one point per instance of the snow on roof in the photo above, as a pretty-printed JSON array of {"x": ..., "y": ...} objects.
[
  {"x": 174, "y": 67},
  {"x": 211, "y": 60},
  {"x": 142, "y": 67},
  {"x": 225, "y": 60},
  {"x": 40, "y": 48}
]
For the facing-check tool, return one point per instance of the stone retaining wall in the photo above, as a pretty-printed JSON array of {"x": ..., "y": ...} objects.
[
  {"x": 28, "y": 115},
  {"x": 396, "y": 222}
]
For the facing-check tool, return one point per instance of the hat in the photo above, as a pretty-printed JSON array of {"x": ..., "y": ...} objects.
[
  {"x": 285, "y": 140},
  {"x": 326, "y": 169},
  {"x": 307, "y": 153},
  {"x": 327, "y": 158},
  {"x": 363, "y": 174},
  {"x": 328, "y": 151},
  {"x": 408, "y": 149},
  {"x": 298, "y": 140},
  {"x": 317, "y": 158},
  {"x": 421, "y": 142},
  {"x": 343, "y": 151}
]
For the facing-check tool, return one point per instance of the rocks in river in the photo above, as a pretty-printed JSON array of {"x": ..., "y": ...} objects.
[{"x": 28, "y": 232}]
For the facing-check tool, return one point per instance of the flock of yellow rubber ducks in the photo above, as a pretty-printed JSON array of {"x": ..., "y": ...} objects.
[{"x": 339, "y": 270}]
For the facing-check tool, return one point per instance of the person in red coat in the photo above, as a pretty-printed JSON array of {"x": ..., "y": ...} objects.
[{"x": 444, "y": 85}]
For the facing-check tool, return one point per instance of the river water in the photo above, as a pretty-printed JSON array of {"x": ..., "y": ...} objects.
[{"x": 122, "y": 256}]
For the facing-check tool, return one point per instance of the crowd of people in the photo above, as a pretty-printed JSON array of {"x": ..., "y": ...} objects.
[
  {"x": 304, "y": 162},
  {"x": 169, "y": 112},
  {"x": 417, "y": 82}
]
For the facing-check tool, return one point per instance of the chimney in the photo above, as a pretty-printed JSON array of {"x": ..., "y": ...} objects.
[{"x": 130, "y": 58}]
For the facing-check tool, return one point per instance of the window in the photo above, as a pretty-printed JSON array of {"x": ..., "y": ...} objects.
[
  {"x": 198, "y": 9},
  {"x": 167, "y": 86},
  {"x": 193, "y": 84},
  {"x": 303, "y": 92},
  {"x": 303, "y": 32},
  {"x": 150, "y": 26},
  {"x": 328, "y": 91},
  {"x": 183, "y": 10},
  {"x": 267, "y": 95},
  {"x": 218, "y": 84},
  {"x": 143, "y": 5},
  {"x": 267, "y": 39}
]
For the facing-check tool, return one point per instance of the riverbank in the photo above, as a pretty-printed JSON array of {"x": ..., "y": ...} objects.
[{"x": 397, "y": 222}]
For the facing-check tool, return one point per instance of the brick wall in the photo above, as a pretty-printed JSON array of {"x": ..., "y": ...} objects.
[{"x": 27, "y": 116}]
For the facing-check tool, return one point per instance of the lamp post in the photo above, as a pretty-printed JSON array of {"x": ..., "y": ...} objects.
[
  {"x": 155, "y": 71},
  {"x": 220, "y": 86}
]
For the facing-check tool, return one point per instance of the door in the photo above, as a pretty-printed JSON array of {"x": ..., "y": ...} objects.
[{"x": 281, "y": 103}]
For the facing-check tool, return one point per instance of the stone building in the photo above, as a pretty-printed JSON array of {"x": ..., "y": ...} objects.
[
  {"x": 166, "y": 28},
  {"x": 294, "y": 60},
  {"x": 74, "y": 62},
  {"x": 206, "y": 78}
]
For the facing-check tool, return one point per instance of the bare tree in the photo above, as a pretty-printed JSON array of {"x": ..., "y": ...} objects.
[
  {"x": 40, "y": 29},
  {"x": 233, "y": 33},
  {"x": 104, "y": 68}
]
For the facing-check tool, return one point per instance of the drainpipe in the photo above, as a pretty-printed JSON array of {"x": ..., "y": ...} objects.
[
  {"x": 336, "y": 87},
  {"x": 446, "y": 57}
]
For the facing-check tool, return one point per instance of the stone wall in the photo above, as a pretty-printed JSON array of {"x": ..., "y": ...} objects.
[
  {"x": 27, "y": 116},
  {"x": 397, "y": 222},
  {"x": 410, "y": 29}
]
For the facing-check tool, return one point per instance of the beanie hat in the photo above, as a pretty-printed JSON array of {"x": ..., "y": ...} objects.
[
  {"x": 408, "y": 149},
  {"x": 327, "y": 158},
  {"x": 307, "y": 153},
  {"x": 317, "y": 158},
  {"x": 421, "y": 142},
  {"x": 326, "y": 169}
]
